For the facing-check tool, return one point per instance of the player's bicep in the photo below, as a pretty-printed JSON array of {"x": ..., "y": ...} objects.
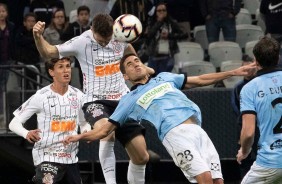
[
  {"x": 69, "y": 48},
  {"x": 28, "y": 108}
]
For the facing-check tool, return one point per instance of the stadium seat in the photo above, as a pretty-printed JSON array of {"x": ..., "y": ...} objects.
[
  {"x": 224, "y": 51},
  {"x": 260, "y": 21},
  {"x": 249, "y": 48},
  {"x": 243, "y": 17},
  {"x": 246, "y": 33},
  {"x": 200, "y": 36},
  {"x": 195, "y": 68},
  {"x": 251, "y": 5},
  {"x": 188, "y": 51},
  {"x": 230, "y": 65},
  {"x": 186, "y": 28},
  {"x": 14, "y": 81},
  {"x": 73, "y": 16}
]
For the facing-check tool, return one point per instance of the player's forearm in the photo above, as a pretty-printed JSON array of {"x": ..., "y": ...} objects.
[
  {"x": 246, "y": 142},
  {"x": 207, "y": 79},
  {"x": 92, "y": 135},
  {"x": 17, "y": 127},
  {"x": 46, "y": 50},
  {"x": 97, "y": 133}
]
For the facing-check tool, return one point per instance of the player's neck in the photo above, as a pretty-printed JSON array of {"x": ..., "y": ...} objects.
[
  {"x": 59, "y": 88},
  {"x": 141, "y": 81}
]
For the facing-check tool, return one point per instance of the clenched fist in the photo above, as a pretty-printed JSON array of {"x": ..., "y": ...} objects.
[{"x": 38, "y": 29}]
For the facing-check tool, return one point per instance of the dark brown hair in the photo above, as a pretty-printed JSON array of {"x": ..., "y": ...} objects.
[
  {"x": 122, "y": 60},
  {"x": 266, "y": 52},
  {"x": 53, "y": 26},
  {"x": 103, "y": 24}
]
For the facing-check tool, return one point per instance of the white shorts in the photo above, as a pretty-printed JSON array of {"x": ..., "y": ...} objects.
[
  {"x": 263, "y": 175},
  {"x": 192, "y": 151}
]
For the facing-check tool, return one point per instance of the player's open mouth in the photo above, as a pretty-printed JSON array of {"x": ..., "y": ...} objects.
[{"x": 67, "y": 76}]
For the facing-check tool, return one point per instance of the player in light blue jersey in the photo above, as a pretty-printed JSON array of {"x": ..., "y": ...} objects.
[
  {"x": 176, "y": 118},
  {"x": 261, "y": 101}
]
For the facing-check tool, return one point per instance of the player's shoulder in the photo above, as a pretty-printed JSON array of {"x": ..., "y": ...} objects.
[
  {"x": 88, "y": 35},
  {"x": 84, "y": 37},
  {"x": 41, "y": 94},
  {"x": 43, "y": 91},
  {"x": 75, "y": 90},
  {"x": 251, "y": 86},
  {"x": 168, "y": 76}
]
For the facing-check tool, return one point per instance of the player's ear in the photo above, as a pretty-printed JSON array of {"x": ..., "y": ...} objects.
[
  {"x": 125, "y": 77},
  {"x": 51, "y": 72}
]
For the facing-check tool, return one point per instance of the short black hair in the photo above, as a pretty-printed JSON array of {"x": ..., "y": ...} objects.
[
  {"x": 49, "y": 65},
  {"x": 30, "y": 14},
  {"x": 83, "y": 8},
  {"x": 266, "y": 52},
  {"x": 122, "y": 60}
]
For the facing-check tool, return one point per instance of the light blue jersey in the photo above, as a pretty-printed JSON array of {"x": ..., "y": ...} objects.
[
  {"x": 160, "y": 102},
  {"x": 263, "y": 96}
]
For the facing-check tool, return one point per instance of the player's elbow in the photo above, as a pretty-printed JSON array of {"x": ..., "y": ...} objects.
[{"x": 49, "y": 52}]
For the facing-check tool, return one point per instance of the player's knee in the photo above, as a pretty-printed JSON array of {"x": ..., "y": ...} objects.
[
  {"x": 141, "y": 159},
  {"x": 204, "y": 178},
  {"x": 218, "y": 181}
]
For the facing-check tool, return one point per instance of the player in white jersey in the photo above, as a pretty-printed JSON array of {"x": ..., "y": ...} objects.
[
  {"x": 58, "y": 110},
  {"x": 260, "y": 101},
  {"x": 159, "y": 101},
  {"x": 103, "y": 84}
]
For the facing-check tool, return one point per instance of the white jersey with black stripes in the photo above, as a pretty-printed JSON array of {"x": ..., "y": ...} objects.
[
  {"x": 102, "y": 79},
  {"x": 57, "y": 117}
]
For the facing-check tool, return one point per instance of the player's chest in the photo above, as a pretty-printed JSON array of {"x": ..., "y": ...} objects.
[
  {"x": 56, "y": 103},
  {"x": 103, "y": 55}
]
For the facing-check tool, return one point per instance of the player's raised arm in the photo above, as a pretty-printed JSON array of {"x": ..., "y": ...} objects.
[
  {"x": 212, "y": 78},
  {"x": 44, "y": 48},
  {"x": 100, "y": 131}
]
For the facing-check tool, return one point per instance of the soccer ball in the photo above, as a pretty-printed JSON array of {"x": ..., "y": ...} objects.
[{"x": 127, "y": 28}]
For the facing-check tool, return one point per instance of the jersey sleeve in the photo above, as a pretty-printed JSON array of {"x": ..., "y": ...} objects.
[
  {"x": 247, "y": 105},
  {"x": 28, "y": 108},
  {"x": 179, "y": 80},
  {"x": 120, "y": 114},
  {"x": 70, "y": 47}
]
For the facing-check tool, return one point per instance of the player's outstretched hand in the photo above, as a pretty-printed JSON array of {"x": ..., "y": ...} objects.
[
  {"x": 241, "y": 156},
  {"x": 33, "y": 136},
  {"x": 246, "y": 70},
  {"x": 38, "y": 29},
  {"x": 71, "y": 138}
]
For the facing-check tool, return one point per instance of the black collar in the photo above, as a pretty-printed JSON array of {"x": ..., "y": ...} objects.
[
  {"x": 268, "y": 70},
  {"x": 139, "y": 84}
]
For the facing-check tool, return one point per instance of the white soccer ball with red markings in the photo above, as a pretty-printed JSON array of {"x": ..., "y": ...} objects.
[{"x": 127, "y": 28}]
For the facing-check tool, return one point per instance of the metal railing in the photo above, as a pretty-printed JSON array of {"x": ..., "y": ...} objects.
[{"x": 23, "y": 80}]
